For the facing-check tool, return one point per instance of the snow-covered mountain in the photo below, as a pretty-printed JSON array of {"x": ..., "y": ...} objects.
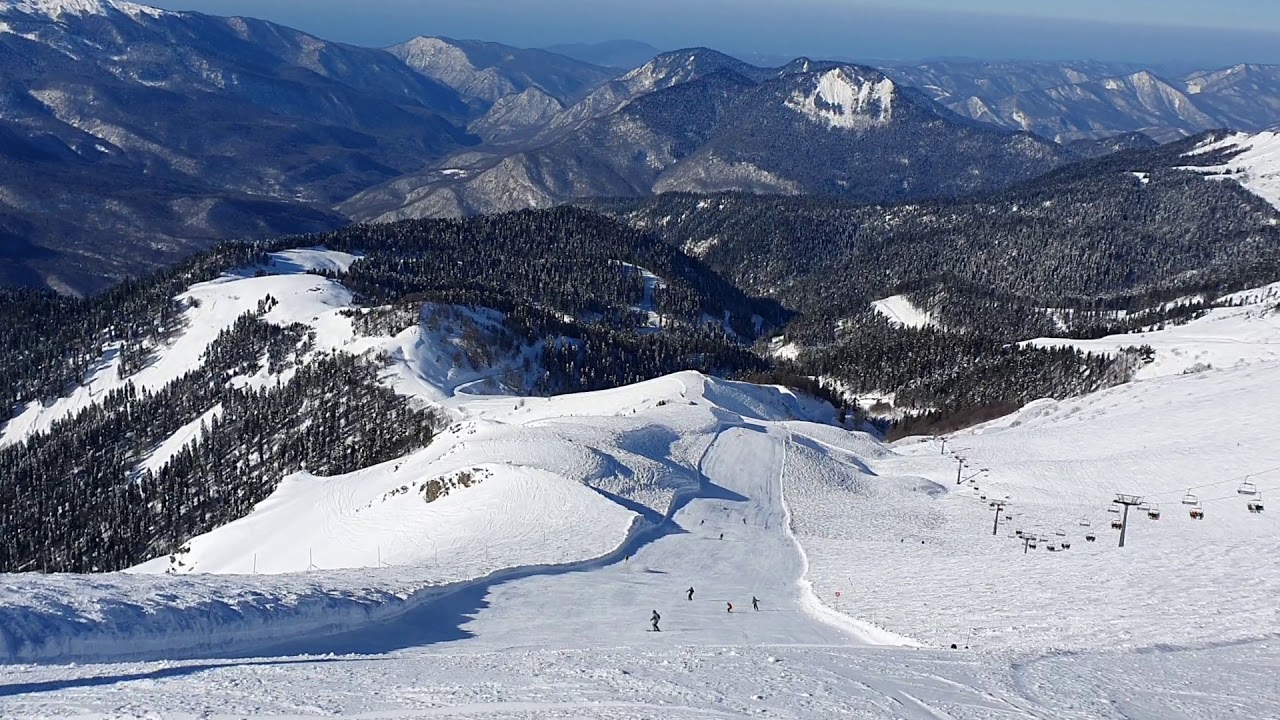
[
  {"x": 489, "y": 72},
  {"x": 166, "y": 132},
  {"x": 1089, "y": 100},
  {"x": 702, "y": 121}
]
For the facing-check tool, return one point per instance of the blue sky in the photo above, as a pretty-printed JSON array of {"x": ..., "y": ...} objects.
[{"x": 1185, "y": 32}]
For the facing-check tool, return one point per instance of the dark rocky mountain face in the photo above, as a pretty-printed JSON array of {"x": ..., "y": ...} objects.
[
  {"x": 148, "y": 134},
  {"x": 702, "y": 121}
]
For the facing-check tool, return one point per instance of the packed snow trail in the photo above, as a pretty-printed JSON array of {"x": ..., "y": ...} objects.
[{"x": 607, "y": 606}]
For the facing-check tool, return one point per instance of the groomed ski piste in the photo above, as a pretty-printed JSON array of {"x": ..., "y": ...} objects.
[{"x": 527, "y": 592}]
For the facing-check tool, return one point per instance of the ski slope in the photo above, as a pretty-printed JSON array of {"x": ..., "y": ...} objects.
[{"x": 526, "y": 592}]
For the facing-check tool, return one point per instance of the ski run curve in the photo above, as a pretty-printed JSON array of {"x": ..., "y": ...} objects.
[{"x": 528, "y": 594}]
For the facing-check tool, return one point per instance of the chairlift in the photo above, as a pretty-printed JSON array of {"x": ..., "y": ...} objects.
[
  {"x": 1090, "y": 538},
  {"x": 1061, "y": 533},
  {"x": 1052, "y": 548},
  {"x": 1018, "y": 533},
  {"x": 1113, "y": 509},
  {"x": 1084, "y": 522},
  {"x": 1197, "y": 514},
  {"x": 1008, "y": 518},
  {"x": 1153, "y": 512},
  {"x": 1255, "y": 505},
  {"x": 1190, "y": 499},
  {"x": 1116, "y": 524},
  {"x": 1031, "y": 543},
  {"x": 1247, "y": 488},
  {"x": 983, "y": 497},
  {"x": 1066, "y": 544}
]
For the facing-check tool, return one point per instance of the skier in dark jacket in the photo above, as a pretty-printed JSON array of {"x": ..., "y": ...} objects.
[
  {"x": 755, "y": 604},
  {"x": 656, "y": 617},
  {"x": 689, "y": 592},
  {"x": 730, "y": 608}
]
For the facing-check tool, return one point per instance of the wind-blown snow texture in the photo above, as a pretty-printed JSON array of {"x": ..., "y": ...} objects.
[{"x": 526, "y": 591}]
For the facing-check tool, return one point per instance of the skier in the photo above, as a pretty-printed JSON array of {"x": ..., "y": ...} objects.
[
  {"x": 721, "y": 536},
  {"x": 689, "y": 592},
  {"x": 656, "y": 617},
  {"x": 744, "y": 521},
  {"x": 755, "y": 604},
  {"x": 730, "y": 607}
]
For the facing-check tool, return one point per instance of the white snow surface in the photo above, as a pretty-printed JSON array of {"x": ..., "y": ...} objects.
[
  {"x": 56, "y": 9},
  {"x": 1225, "y": 337},
  {"x": 1256, "y": 167},
  {"x": 841, "y": 99},
  {"x": 211, "y": 307},
  {"x": 527, "y": 594},
  {"x": 900, "y": 310}
]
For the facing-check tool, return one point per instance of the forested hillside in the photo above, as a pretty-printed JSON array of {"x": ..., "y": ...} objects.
[{"x": 587, "y": 303}]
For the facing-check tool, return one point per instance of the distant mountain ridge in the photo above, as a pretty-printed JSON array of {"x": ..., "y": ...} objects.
[
  {"x": 1068, "y": 101},
  {"x": 701, "y": 121}
]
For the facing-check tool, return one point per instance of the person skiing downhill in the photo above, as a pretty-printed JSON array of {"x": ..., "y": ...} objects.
[
  {"x": 755, "y": 604},
  {"x": 689, "y": 592},
  {"x": 656, "y": 617},
  {"x": 730, "y": 609}
]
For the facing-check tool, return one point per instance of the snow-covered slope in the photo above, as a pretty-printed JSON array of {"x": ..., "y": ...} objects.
[
  {"x": 1255, "y": 163},
  {"x": 512, "y": 565},
  {"x": 211, "y": 308},
  {"x": 900, "y": 310},
  {"x": 1243, "y": 330}
]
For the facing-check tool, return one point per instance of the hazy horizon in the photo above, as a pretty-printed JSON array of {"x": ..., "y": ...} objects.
[{"x": 1175, "y": 32}]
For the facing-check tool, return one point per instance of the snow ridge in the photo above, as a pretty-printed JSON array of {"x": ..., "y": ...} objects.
[{"x": 57, "y": 9}]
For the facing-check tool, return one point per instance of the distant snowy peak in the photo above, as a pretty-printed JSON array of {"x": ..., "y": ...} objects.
[
  {"x": 57, "y": 9},
  {"x": 445, "y": 62},
  {"x": 1254, "y": 162},
  {"x": 846, "y": 98}
]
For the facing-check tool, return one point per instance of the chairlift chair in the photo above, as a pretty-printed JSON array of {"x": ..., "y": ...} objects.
[
  {"x": 1255, "y": 505},
  {"x": 1247, "y": 488},
  {"x": 1116, "y": 524},
  {"x": 1190, "y": 499},
  {"x": 1113, "y": 509},
  {"x": 1066, "y": 544},
  {"x": 1090, "y": 538},
  {"x": 1084, "y": 522},
  {"x": 1197, "y": 513},
  {"x": 1061, "y": 533},
  {"x": 1153, "y": 512}
]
